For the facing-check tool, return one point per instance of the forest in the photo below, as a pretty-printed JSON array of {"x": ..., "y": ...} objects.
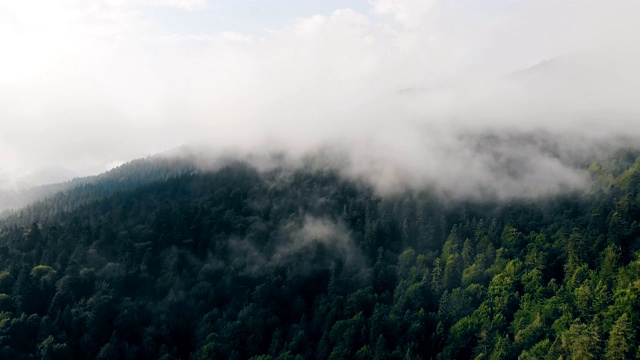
[{"x": 303, "y": 263}]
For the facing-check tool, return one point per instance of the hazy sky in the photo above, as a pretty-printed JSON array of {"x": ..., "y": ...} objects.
[{"x": 86, "y": 84}]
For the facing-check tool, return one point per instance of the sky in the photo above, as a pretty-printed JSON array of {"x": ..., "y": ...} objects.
[{"x": 407, "y": 89}]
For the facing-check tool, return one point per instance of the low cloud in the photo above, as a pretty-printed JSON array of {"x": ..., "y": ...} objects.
[
  {"x": 500, "y": 100},
  {"x": 316, "y": 245},
  {"x": 304, "y": 248}
]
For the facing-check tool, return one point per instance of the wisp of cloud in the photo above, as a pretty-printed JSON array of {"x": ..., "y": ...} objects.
[{"x": 503, "y": 99}]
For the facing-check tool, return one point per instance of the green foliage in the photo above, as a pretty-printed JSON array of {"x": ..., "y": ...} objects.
[
  {"x": 301, "y": 263},
  {"x": 621, "y": 339}
]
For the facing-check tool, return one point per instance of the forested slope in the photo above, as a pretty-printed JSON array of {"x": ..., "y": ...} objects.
[
  {"x": 237, "y": 263},
  {"x": 35, "y": 204}
]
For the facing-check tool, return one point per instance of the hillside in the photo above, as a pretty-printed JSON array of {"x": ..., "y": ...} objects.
[
  {"x": 301, "y": 263},
  {"x": 20, "y": 205}
]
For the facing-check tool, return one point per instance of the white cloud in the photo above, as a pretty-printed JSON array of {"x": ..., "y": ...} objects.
[
  {"x": 180, "y": 4},
  {"x": 408, "y": 13},
  {"x": 177, "y": 4},
  {"x": 236, "y": 36},
  {"x": 87, "y": 83}
]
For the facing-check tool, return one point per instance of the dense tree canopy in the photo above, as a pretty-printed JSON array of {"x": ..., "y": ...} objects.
[{"x": 302, "y": 264}]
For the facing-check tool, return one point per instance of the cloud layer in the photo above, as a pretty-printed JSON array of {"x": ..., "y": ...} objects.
[{"x": 410, "y": 91}]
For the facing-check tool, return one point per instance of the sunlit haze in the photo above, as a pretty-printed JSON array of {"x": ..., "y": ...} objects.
[{"x": 88, "y": 84}]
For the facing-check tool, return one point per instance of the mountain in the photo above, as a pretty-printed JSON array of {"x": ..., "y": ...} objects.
[
  {"x": 20, "y": 204},
  {"x": 168, "y": 258},
  {"x": 70, "y": 194}
]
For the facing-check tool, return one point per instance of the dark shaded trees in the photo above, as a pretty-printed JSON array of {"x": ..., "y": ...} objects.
[{"x": 301, "y": 263}]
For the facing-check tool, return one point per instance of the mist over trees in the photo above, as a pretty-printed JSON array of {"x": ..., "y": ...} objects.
[
  {"x": 396, "y": 80},
  {"x": 303, "y": 262},
  {"x": 365, "y": 179}
]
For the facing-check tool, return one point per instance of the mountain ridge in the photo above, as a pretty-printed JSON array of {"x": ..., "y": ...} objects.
[{"x": 303, "y": 262}]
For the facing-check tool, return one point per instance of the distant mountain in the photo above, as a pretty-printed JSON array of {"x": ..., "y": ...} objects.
[
  {"x": 592, "y": 88},
  {"x": 28, "y": 204},
  {"x": 70, "y": 194}
]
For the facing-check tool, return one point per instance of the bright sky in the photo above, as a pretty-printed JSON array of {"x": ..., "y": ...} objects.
[{"x": 86, "y": 84}]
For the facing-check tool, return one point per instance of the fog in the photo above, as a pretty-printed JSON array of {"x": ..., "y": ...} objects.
[
  {"x": 315, "y": 245},
  {"x": 500, "y": 98}
]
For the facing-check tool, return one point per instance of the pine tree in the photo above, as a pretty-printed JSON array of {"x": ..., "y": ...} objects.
[{"x": 621, "y": 339}]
